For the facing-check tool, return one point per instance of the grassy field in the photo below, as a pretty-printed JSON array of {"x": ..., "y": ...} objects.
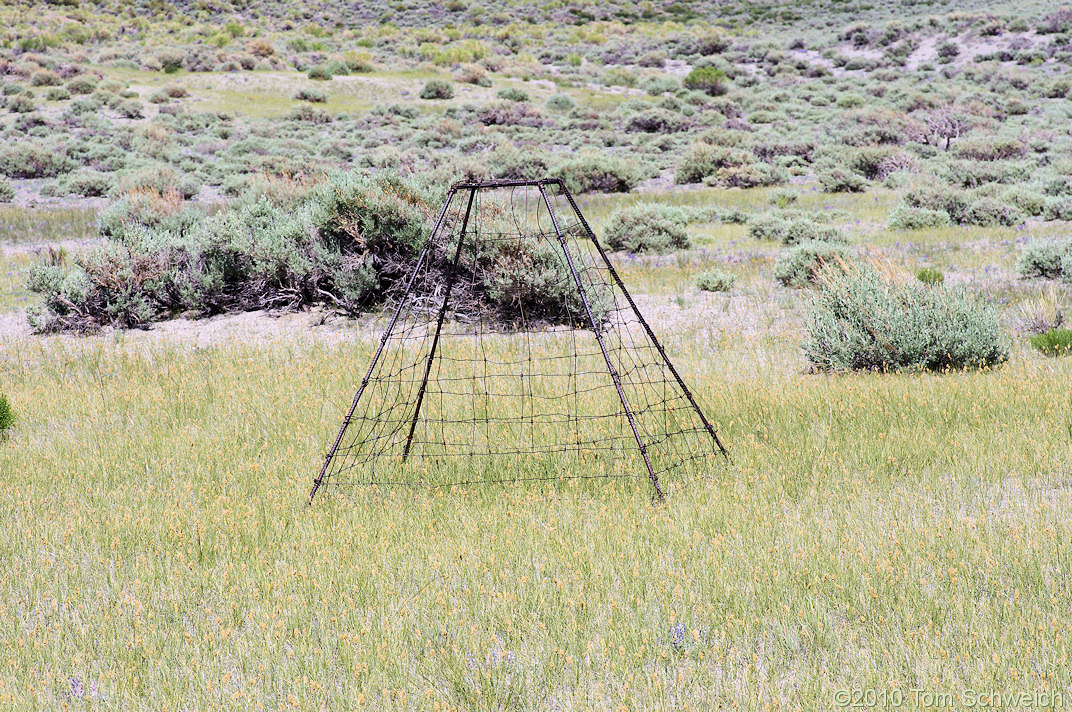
[
  {"x": 872, "y": 531},
  {"x": 904, "y": 536}
]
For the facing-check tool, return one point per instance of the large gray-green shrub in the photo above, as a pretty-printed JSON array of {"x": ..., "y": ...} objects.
[
  {"x": 862, "y": 319},
  {"x": 595, "y": 172},
  {"x": 647, "y": 228},
  {"x": 800, "y": 265},
  {"x": 1045, "y": 258},
  {"x": 790, "y": 229}
]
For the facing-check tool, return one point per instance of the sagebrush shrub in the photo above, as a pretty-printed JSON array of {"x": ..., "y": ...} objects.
[
  {"x": 647, "y": 228},
  {"x": 712, "y": 41},
  {"x": 511, "y": 163},
  {"x": 308, "y": 114},
  {"x": 561, "y": 102},
  {"x": 82, "y": 85},
  {"x": 951, "y": 201},
  {"x": 260, "y": 48},
  {"x": 1025, "y": 200},
  {"x": 709, "y": 80},
  {"x": 437, "y": 89},
  {"x": 987, "y": 212},
  {"x": 753, "y": 175},
  {"x": 359, "y": 62},
  {"x": 839, "y": 180},
  {"x": 715, "y": 280},
  {"x": 86, "y": 183},
  {"x": 862, "y": 320},
  {"x": 131, "y": 109},
  {"x": 159, "y": 178},
  {"x": 791, "y": 230},
  {"x": 7, "y": 190},
  {"x": 704, "y": 160},
  {"x": 29, "y": 159},
  {"x": 595, "y": 172},
  {"x": 801, "y": 264},
  {"x": 472, "y": 74},
  {"x": 311, "y": 95},
  {"x": 21, "y": 103},
  {"x": 905, "y": 217},
  {"x": 1043, "y": 258},
  {"x": 513, "y": 94},
  {"x": 347, "y": 242},
  {"x": 45, "y": 78},
  {"x": 782, "y": 198}
]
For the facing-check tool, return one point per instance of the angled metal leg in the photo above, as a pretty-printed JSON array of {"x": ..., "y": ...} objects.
[
  {"x": 602, "y": 347},
  {"x": 439, "y": 325},
  {"x": 383, "y": 342},
  {"x": 644, "y": 322}
]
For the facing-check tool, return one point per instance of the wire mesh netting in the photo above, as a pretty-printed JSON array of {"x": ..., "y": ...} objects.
[{"x": 515, "y": 353}]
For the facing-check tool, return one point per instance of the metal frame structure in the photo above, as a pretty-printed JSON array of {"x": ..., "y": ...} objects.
[{"x": 541, "y": 185}]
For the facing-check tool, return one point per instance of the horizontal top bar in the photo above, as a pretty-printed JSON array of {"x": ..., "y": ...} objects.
[{"x": 506, "y": 183}]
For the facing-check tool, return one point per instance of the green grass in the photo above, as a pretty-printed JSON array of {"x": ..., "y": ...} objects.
[
  {"x": 14, "y": 269},
  {"x": 886, "y": 531},
  {"x": 47, "y": 224},
  {"x": 159, "y": 512}
]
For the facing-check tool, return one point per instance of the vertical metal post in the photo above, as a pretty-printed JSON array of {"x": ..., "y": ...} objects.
[
  {"x": 602, "y": 347},
  {"x": 439, "y": 324},
  {"x": 647, "y": 329},
  {"x": 383, "y": 342}
]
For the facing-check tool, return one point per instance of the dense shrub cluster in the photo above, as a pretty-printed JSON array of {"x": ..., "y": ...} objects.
[
  {"x": 30, "y": 159},
  {"x": 710, "y": 80},
  {"x": 1049, "y": 259},
  {"x": 593, "y": 172},
  {"x": 715, "y": 280},
  {"x": 863, "y": 320},
  {"x": 346, "y": 243},
  {"x": 904, "y": 217},
  {"x": 791, "y": 229},
  {"x": 437, "y": 89},
  {"x": 647, "y": 228},
  {"x": 800, "y": 265}
]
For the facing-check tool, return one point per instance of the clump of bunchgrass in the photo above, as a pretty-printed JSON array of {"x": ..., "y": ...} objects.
[
  {"x": 1045, "y": 312},
  {"x": 1056, "y": 342},
  {"x": 930, "y": 276}
]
